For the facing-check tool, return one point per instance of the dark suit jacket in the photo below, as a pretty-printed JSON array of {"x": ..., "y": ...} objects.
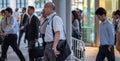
[
  {"x": 32, "y": 29},
  {"x": 23, "y": 21}
]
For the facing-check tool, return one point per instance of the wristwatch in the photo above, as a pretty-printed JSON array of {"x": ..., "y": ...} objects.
[{"x": 53, "y": 49}]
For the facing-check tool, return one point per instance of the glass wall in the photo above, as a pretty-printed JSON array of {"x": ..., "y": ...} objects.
[
  {"x": 89, "y": 21},
  {"x": 77, "y": 4},
  {"x": 109, "y": 5},
  {"x": 4, "y": 3},
  {"x": 21, "y": 3},
  {"x": 88, "y": 18},
  {"x": 40, "y": 3}
]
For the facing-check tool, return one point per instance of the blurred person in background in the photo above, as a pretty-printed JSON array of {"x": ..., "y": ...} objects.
[
  {"x": 75, "y": 25},
  {"x": 118, "y": 31},
  {"x": 115, "y": 22},
  {"x": 43, "y": 25},
  {"x": 2, "y": 20},
  {"x": 23, "y": 21},
  {"x": 16, "y": 14},
  {"x": 79, "y": 12}
]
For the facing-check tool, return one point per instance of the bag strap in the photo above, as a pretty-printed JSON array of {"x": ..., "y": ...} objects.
[{"x": 53, "y": 29}]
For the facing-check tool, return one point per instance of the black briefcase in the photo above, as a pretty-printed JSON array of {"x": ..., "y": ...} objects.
[{"x": 37, "y": 51}]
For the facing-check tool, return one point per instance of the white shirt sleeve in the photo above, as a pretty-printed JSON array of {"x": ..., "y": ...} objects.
[
  {"x": 10, "y": 26},
  {"x": 57, "y": 24}
]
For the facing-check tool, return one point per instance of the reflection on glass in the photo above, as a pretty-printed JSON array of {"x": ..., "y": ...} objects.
[
  {"x": 88, "y": 22},
  {"x": 88, "y": 7},
  {"x": 109, "y": 5}
]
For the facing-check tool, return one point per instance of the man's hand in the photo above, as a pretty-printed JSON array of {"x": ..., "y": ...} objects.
[
  {"x": 22, "y": 27},
  {"x": 56, "y": 52},
  {"x": 4, "y": 34},
  {"x": 109, "y": 48}
]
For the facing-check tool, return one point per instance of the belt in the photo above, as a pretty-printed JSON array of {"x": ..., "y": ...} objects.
[
  {"x": 102, "y": 46},
  {"x": 49, "y": 42},
  {"x": 10, "y": 34},
  {"x": 52, "y": 41}
]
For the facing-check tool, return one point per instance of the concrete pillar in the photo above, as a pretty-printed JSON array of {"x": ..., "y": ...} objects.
[
  {"x": 69, "y": 22},
  {"x": 31, "y": 2},
  {"x": 13, "y": 4},
  {"x": 61, "y": 9},
  {"x": 97, "y": 34}
]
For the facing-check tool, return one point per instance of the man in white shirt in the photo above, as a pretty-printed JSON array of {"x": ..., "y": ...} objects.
[{"x": 53, "y": 34}]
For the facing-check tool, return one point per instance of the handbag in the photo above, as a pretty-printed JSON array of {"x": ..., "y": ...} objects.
[{"x": 37, "y": 49}]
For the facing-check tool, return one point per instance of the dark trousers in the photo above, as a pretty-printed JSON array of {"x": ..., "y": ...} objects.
[
  {"x": 20, "y": 36},
  {"x": 104, "y": 52},
  {"x": 11, "y": 40},
  {"x": 31, "y": 45},
  {"x": 49, "y": 53}
]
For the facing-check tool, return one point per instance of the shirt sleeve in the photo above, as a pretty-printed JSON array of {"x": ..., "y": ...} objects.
[
  {"x": 57, "y": 23},
  {"x": 75, "y": 25},
  {"x": 111, "y": 33},
  {"x": 10, "y": 26}
]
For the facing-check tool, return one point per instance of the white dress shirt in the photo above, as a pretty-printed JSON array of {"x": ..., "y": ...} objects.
[
  {"x": 57, "y": 26},
  {"x": 11, "y": 26}
]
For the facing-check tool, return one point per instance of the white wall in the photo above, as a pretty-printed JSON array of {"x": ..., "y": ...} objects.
[
  {"x": 13, "y": 4},
  {"x": 31, "y": 2}
]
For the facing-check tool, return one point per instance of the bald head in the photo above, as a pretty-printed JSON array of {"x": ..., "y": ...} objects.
[{"x": 50, "y": 5}]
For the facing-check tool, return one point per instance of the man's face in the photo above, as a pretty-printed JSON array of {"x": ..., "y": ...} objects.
[
  {"x": 30, "y": 11},
  {"x": 100, "y": 17},
  {"x": 23, "y": 10},
  {"x": 7, "y": 13},
  {"x": 47, "y": 9}
]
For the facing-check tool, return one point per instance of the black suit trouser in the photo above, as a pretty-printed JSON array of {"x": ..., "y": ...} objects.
[
  {"x": 11, "y": 40},
  {"x": 20, "y": 36},
  {"x": 104, "y": 52}
]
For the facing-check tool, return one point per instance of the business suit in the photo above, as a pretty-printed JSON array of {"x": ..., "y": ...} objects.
[
  {"x": 22, "y": 23},
  {"x": 32, "y": 34}
]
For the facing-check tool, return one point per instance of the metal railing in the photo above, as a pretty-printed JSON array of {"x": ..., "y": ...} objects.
[{"x": 78, "y": 49}]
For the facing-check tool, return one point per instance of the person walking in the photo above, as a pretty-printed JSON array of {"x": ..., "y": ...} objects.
[
  {"x": 107, "y": 35},
  {"x": 10, "y": 33},
  {"x": 118, "y": 31},
  {"x": 53, "y": 35},
  {"x": 32, "y": 29},
  {"x": 22, "y": 24}
]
